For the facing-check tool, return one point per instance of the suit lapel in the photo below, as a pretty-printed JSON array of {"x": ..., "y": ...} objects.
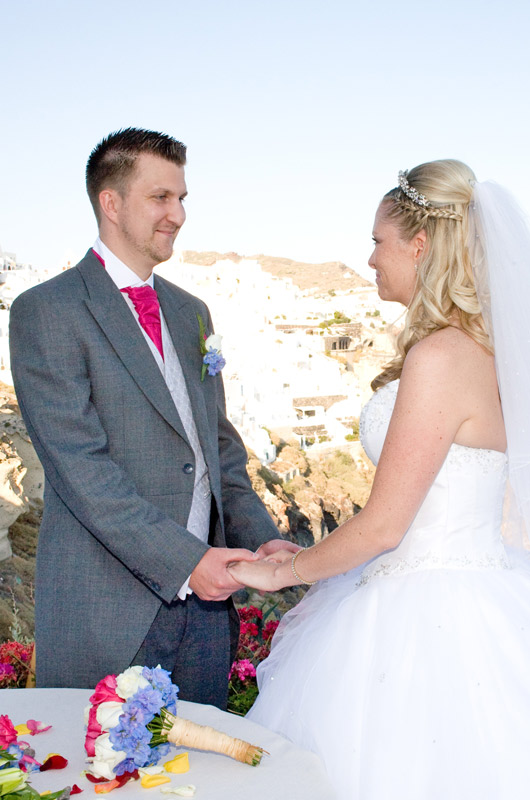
[
  {"x": 112, "y": 314},
  {"x": 183, "y": 327}
]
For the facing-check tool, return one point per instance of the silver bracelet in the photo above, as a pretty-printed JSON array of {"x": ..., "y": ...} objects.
[{"x": 295, "y": 573}]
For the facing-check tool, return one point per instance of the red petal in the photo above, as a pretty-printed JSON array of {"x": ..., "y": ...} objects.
[
  {"x": 104, "y": 785},
  {"x": 121, "y": 779},
  {"x": 128, "y": 776},
  {"x": 75, "y": 789},
  {"x": 54, "y": 762}
]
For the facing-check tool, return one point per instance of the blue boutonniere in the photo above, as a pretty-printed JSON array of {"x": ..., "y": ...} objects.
[{"x": 210, "y": 347}]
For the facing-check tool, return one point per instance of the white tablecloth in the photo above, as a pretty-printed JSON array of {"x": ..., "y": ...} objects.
[{"x": 288, "y": 772}]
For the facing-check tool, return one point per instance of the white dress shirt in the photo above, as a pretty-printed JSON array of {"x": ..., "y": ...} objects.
[{"x": 123, "y": 277}]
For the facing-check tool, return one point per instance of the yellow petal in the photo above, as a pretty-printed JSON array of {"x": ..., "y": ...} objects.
[
  {"x": 23, "y": 730},
  {"x": 179, "y": 764},
  {"x": 150, "y": 781},
  {"x": 48, "y": 791}
]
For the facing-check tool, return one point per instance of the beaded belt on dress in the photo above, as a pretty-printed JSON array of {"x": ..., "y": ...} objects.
[{"x": 401, "y": 566}]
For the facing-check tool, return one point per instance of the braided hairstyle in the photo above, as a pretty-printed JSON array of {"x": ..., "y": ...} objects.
[{"x": 445, "y": 292}]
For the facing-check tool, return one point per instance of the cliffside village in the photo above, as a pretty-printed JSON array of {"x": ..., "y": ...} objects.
[{"x": 298, "y": 362}]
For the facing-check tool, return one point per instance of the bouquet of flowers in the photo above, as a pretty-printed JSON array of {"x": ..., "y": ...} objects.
[{"x": 132, "y": 718}]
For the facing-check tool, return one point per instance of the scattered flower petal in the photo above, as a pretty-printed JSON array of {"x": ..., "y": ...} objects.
[
  {"x": 154, "y": 770},
  {"x": 150, "y": 781},
  {"x": 22, "y": 730},
  {"x": 34, "y": 727},
  {"x": 92, "y": 778},
  {"x": 54, "y": 761},
  {"x": 75, "y": 789},
  {"x": 103, "y": 788},
  {"x": 181, "y": 791},
  {"x": 179, "y": 764}
]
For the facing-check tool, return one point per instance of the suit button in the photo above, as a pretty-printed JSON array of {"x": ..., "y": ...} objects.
[{"x": 187, "y": 468}]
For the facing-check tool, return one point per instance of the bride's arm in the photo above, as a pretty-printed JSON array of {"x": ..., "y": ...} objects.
[{"x": 432, "y": 402}]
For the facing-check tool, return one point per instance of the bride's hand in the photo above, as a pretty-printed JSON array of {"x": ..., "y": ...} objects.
[
  {"x": 262, "y": 575},
  {"x": 279, "y": 556}
]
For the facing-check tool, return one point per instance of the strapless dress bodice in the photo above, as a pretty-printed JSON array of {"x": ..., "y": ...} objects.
[{"x": 458, "y": 524}]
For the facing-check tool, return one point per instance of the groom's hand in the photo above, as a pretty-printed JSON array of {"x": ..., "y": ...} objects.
[{"x": 210, "y": 580}]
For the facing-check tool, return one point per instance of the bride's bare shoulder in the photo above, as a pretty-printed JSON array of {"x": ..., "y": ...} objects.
[{"x": 449, "y": 353}]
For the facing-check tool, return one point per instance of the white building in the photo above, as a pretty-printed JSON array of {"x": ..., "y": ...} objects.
[{"x": 266, "y": 368}]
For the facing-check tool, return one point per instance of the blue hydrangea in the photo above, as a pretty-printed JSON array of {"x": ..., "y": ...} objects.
[
  {"x": 140, "y": 751},
  {"x": 160, "y": 679},
  {"x": 214, "y": 361},
  {"x": 149, "y": 699},
  {"x": 127, "y": 765},
  {"x": 121, "y": 735},
  {"x": 159, "y": 752}
]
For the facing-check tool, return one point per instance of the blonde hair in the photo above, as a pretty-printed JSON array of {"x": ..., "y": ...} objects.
[{"x": 445, "y": 285}]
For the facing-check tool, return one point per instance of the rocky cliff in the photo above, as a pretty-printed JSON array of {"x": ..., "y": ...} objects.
[{"x": 317, "y": 278}]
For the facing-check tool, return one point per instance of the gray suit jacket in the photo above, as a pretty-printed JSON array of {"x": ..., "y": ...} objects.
[{"x": 113, "y": 543}]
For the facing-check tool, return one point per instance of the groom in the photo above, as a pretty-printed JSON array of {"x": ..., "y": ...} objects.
[{"x": 146, "y": 486}]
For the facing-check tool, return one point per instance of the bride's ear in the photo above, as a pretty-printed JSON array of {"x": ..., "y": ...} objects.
[{"x": 420, "y": 244}]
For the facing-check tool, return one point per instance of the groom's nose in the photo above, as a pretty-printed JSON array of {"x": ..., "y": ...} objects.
[{"x": 176, "y": 213}]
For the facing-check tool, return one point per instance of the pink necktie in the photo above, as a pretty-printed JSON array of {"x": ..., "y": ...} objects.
[{"x": 145, "y": 301}]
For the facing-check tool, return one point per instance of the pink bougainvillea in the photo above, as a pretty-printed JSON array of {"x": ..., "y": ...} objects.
[
  {"x": 15, "y": 660},
  {"x": 254, "y": 645}
]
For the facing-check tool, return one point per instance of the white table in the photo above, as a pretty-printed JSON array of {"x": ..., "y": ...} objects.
[{"x": 288, "y": 772}]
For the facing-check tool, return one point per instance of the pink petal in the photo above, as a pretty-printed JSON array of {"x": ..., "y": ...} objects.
[{"x": 37, "y": 727}]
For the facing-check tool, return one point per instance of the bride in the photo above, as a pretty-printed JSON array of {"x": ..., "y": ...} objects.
[{"x": 407, "y": 667}]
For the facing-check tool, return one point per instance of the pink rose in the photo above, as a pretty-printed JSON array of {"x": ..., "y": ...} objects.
[
  {"x": 94, "y": 730},
  {"x": 8, "y": 734},
  {"x": 105, "y": 690}
]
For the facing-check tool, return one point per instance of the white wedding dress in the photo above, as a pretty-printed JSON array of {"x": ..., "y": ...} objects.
[{"x": 410, "y": 675}]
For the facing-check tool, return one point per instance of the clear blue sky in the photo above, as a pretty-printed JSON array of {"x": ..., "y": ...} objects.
[{"x": 297, "y": 114}]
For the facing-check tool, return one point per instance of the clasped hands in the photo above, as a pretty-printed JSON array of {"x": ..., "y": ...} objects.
[{"x": 224, "y": 570}]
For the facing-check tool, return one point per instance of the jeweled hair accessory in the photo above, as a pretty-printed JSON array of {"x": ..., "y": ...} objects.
[{"x": 410, "y": 191}]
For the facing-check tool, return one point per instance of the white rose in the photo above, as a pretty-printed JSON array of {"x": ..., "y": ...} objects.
[
  {"x": 108, "y": 714},
  {"x": 130, "y": 681},
  {"x": 213, "y": 342},
  {"x": 106, "y": 758}
]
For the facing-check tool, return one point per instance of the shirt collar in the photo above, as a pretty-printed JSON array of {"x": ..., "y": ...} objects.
[{"x": 120, "y": 273}]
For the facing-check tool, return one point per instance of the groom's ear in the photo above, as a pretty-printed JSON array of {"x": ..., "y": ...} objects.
[{"x": 110, "y": 202}]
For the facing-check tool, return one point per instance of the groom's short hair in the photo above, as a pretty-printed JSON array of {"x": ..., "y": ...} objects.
[{"x": 112, "y": 161}]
